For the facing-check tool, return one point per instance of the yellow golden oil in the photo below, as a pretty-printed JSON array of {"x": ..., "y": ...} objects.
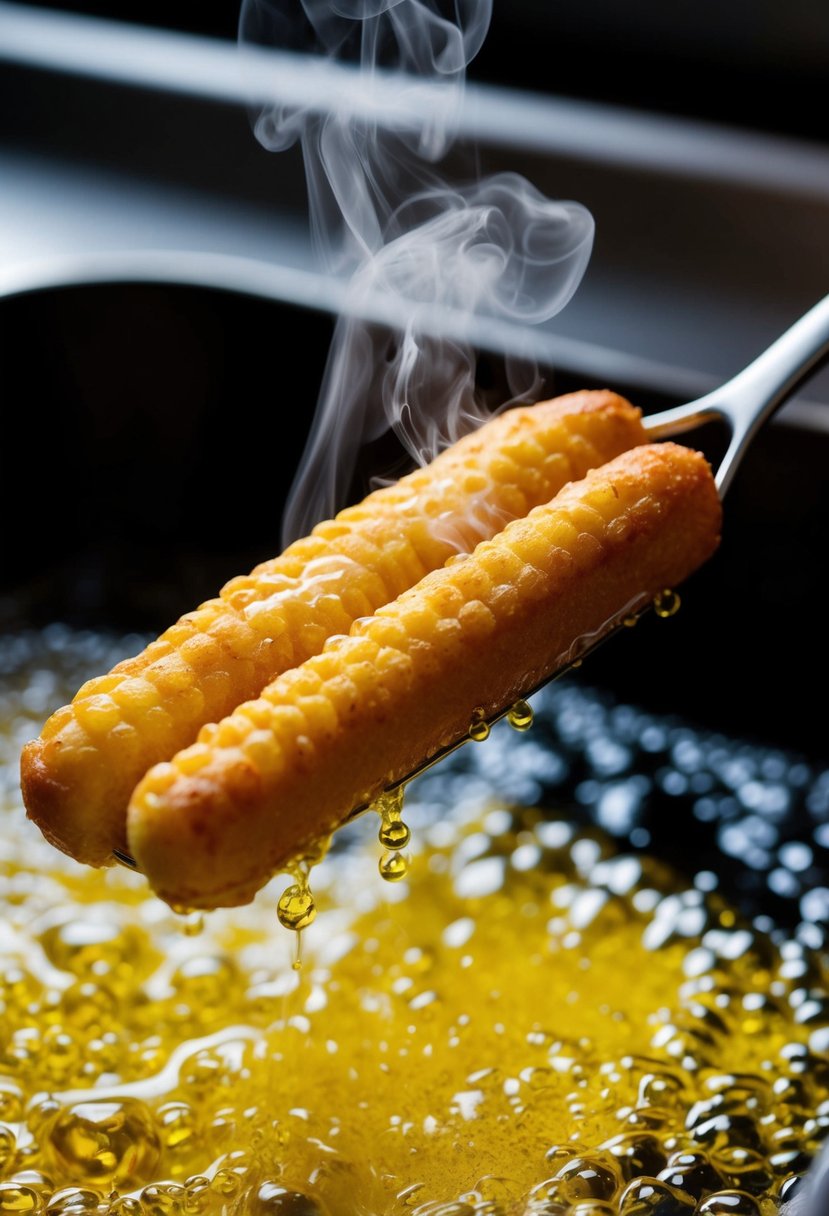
[
  {"x": 296, "y": 908},
  {"x": 520, "y": 716},
  {"x": 479, "y": 728},
  {"x": 529, "y": 1026},
  {"x": 394, "y": 835}
]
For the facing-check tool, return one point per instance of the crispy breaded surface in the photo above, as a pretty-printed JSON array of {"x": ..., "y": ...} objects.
[
  {"x": 282, "y": 771},
  {"x": 78, "y": 776}
]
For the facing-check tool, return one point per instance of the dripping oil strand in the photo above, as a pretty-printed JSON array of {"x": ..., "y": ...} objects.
[
  {"x": 192, "y": 919},
  {"x": 296, "y": 965},
  {"x": 393, "y": 835},
  {"x": 296, "y": 908}
]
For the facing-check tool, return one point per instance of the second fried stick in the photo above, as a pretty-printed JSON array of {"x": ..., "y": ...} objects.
[
  {"x": 78, "y": 776},
  {"x": 283, "y": 771}
]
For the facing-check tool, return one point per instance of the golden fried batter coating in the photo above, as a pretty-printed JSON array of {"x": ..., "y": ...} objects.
[
  {"x": 284, "y": 770},
  {"x": 78, "y": 776}
]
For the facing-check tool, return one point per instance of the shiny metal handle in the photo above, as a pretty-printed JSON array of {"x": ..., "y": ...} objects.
[{"x": 752, "y": 396}]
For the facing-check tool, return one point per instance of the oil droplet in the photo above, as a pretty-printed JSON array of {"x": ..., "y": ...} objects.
[
  {"x": 193, "y": 919},
  {"x": 74, "y": 1201},
  {"x": 163, "y": 1199},
  {"x": 18, "y": 1199},
  {"x": 393, "y": 866},
  {"x": 478, "y": 727},
  {"x": 576, "y": 663},
  {"x": 8, "y": 1149},
  {"x": 394, "y": 833},
  {"x": 666, "y": 603},
  {"x": 109, "y": 1142},
  {"x": 296, "y": 908},
  {"x": 520, "y": 716},
  {"x": 125, "y": 1205},
  {"x": 630, "y": 622},
  {"x": 226, "y": 1182}
]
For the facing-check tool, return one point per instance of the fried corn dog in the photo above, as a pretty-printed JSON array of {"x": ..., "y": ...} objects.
[
  {"x": 78, "y": 776},
  {"x": 283, "y": 771}
]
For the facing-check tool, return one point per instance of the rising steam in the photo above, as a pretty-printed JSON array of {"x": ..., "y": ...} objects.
[{"x": 382, "y": 214}]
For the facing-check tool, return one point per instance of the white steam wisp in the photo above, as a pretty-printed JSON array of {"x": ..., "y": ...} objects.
[{"x": 383, "y": 215}]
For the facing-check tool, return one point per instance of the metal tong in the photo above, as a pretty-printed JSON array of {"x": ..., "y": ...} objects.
[{"x": 745, "y": 402}]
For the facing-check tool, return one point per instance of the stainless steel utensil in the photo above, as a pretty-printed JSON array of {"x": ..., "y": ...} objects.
[{"x": 752, "y": 396}]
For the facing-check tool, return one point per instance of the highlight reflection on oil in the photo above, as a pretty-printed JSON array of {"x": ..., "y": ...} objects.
[{"x": 533, "y": 1024}]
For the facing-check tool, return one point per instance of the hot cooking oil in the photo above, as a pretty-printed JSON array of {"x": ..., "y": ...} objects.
[
  {"x": 531, "y": 1025},
  {"x": 394, "y": 835}
]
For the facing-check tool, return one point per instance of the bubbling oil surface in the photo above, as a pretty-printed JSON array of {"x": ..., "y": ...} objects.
[{"x": 532, "y": 1025}]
